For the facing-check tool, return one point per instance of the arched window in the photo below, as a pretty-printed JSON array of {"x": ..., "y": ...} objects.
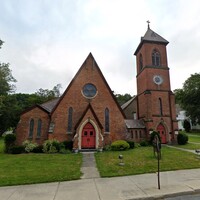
[
  {"x": 160, "y": 106},
  {"x": 141, "y": 62},
  {"x": 31, "y": 128},
  {"x": 70, "y": 113},
  {"x": 107, "y": 123},
  {"x": 39, "y": 128},
  {"x": 155, "y": 58}
]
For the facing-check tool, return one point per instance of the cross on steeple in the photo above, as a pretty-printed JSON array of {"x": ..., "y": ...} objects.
[{"x": 148, "y": 22}]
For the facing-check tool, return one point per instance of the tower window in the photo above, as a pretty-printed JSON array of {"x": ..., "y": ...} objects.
[
  {"x": 31, "y": 128},
  {"x": 141, "y": 62},
  {"x": 155, "y": 58},
  {"x": 160, "y": 106},
  {"x": 107, "y": 122},
  {"x": 70, "y": 113}
]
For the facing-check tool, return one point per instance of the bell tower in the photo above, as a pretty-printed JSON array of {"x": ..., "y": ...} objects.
[{"x": 155, "y": 100}]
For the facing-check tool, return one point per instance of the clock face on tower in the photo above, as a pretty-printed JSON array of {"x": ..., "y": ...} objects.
[{"x": 157, "y": 79}]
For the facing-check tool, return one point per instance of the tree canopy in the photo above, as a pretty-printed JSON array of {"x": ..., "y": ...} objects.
[
  {"x": 189, "y": 97},
  {"x": 123, "y": 98},
  {"x": 6, "y": 79}
]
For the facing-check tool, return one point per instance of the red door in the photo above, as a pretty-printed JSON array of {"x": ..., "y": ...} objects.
[
  {"x": 162, "y": 132},
  {"x": 88, "y": 137}
]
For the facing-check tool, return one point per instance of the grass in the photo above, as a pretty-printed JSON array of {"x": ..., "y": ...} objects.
[
  {"x": 190, "y": 146},
  {"x": 141, "y": 160},
  {"x": 38, "y": 168},
  {"x": 193, "y": 137}
]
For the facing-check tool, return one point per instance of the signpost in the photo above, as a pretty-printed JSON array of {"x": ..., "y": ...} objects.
[{"x": 157, "y": 152}]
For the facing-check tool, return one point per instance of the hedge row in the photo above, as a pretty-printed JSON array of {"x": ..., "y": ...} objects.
[{"x": 49, "y": 146}]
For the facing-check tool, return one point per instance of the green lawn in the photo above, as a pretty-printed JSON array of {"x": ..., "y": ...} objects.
[
  {"x": 38, "y": 168},
  {"x": 141, "y": 160},
  {"x": 189, "y": 146},
  {"x": 194, "y": 138}
]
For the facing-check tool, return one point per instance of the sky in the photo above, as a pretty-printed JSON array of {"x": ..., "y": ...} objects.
[{"x": 46, "y": 41}]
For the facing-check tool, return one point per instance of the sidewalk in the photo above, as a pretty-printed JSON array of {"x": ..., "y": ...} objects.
[
  {"x": 88, "y": 168},
  {"x": 118, "y": 188}
]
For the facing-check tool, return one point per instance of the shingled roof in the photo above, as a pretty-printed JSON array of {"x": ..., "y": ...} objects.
[
  {"x": 134, "y": 123},
  {"x": 127, "y": 103},
  {"x": 49, "y": 105},
  {"x": 151, "y": 36}
]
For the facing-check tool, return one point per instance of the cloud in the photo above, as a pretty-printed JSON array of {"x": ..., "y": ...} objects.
[{"x": 46, "y": 41}]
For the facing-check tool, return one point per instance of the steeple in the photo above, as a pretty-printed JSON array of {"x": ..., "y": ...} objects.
[{"x": 149, "y": 37}]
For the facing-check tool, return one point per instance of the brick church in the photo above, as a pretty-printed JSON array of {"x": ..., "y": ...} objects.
[{"x": 88, "y": 113}]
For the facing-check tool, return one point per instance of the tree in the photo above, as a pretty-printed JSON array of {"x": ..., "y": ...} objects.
[
  {"x": 186, "y": 125},
  {"x": 12, "y": 105},
  {"x": 189, "y": 97},
  {"x": 123, "y": 98},
  {"x": 46, "y": 95},
  {"x": 6, "y": 78}
]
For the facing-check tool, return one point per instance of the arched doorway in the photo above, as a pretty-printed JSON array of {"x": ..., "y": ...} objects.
[
  {"x": 88, "y": 137},
  {"x": 162, "y": 132}
]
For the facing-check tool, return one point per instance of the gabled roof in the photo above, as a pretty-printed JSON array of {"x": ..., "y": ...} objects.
[
  {"x": 33, "y": 107},
  {"x": 134, "y": 123},
  {"x": 89, "y": 107},
  {"x": 49, "y": 105},
  {"x": 151, "y": 36},
  {"x": 103, "y": 78},
  {"x": 127, "y": 103}
]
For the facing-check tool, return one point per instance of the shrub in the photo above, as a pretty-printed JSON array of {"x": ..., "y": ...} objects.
[
  {"x": 17, "y": 149},
  {"x": 51, "y": 146},
  {"x": 144, "y": 143},
  {"x": 29, "y": 146},
  {"x": 9, "y": 141},
  {"x": 120, "y": 145},
  {"x": 152, "y": 137},
  {"x": 182, "y": 138},
  {"x": 131, "y": 144},
  {"x": 107, "y": 147},
  {"x": 38, "y": 149},
  {"x": 68, "y": 144}
]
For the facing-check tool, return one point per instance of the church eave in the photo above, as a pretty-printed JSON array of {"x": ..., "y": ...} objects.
[{"x": 148, "y": 41}]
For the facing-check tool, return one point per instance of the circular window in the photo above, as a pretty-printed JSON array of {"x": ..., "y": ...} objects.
[
  {"x": 89, "y": 90},
  {"x": 157, "y": 80}
]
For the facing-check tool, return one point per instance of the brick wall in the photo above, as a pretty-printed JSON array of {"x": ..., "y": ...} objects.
[{"x": 23, "y": 127}]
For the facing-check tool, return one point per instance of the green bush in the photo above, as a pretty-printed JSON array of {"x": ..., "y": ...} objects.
[
  {"x": 107, "y": 147},
  {"x": 120, "y": 145},
  {"x": 182, "y": 138},
  {"x": 152, "y": 137},
  {"x": 38, "y": 149},
  {"x": 29, "y": 146},
  {"x": 131, "y": 144},
  {"x": 17, "y": 149},
  {"x": 51, "y": 146},
  {"x": 68, "y": 145},
  {"x": 9, "y": 141},
  {"x": 144, "y": 143}
]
